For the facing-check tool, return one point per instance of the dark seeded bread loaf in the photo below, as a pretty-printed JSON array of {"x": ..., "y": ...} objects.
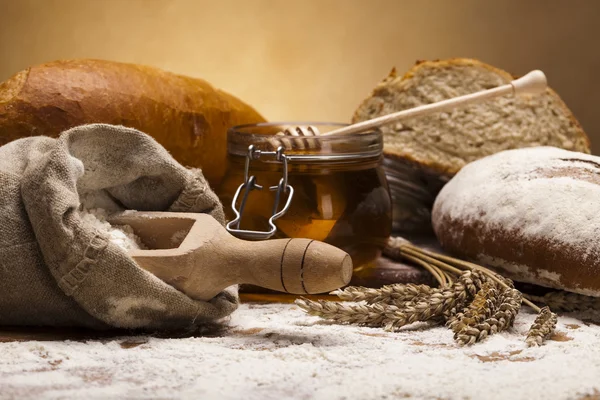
[
  {"x": 532, "y": 213},
  {"x": 425, "y": 152},
  {"x": 187, "y": 116}
]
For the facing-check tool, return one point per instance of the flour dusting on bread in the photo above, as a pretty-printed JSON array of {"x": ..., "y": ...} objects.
[{"x": 532, "y": 212}]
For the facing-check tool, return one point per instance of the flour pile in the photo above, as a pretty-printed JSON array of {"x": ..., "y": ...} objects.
[
  {"x": 121, "y": 235},
  {"x": 275, "y": 351}
]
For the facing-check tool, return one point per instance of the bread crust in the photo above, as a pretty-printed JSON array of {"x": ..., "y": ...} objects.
[
  {"x": 187, "y": 116},
  {"x": 432, "y": 166}
]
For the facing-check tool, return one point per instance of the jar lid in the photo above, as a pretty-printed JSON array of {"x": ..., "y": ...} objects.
[{"x": 341, "y": 148}]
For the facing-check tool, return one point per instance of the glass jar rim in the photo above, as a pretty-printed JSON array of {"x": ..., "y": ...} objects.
[{"x": 352, "y": 146}]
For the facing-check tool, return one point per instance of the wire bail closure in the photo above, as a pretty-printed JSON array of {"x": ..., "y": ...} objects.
[{"x": 250, "y": 184}]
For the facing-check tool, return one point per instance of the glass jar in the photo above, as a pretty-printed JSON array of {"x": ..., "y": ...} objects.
[{"x": 328, "y": 188}]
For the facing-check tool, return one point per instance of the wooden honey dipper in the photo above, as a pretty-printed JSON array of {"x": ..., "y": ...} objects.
[
  {"x": 196, "y": 255},
  {"x": 532, "y": 83}
]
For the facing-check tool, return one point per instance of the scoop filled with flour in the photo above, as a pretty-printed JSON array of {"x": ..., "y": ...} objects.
[{"x": 121, "y": 235}]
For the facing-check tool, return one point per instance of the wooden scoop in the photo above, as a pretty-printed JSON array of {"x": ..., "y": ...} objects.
[{"x": 196, "y": 255}]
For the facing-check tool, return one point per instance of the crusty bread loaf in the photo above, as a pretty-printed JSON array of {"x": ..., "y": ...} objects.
[
  {"x": 532, "y": 213},
  {"x": 187, "y": 116},
  {"x": 432, "y": 149},
  {"x": 446, "y": 141}
]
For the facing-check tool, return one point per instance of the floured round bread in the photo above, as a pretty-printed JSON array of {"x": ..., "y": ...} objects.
[{"x": 532, "y": 213}]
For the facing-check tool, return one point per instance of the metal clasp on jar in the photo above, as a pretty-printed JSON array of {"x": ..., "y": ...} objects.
[{"x": 250, "y": 184}]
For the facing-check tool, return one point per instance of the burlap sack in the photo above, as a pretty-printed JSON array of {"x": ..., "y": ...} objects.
[{"x": 56, "y": 269}]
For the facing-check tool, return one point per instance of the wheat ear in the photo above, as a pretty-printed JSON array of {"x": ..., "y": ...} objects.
[
  {"x": 360, "y": 314},
  {"x": 503, "y": 316},
  {"x": 542, "y": 327},
  {"x": 388, "y": 293},
  {"x": 400, "y": 247}
]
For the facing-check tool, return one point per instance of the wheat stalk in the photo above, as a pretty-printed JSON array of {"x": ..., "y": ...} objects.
[
  {"x": 474, "y": 301},
  {"x": 386, "y": 294},
  {"x": 481, "y": 307},
  {"x": 436, "y": 304},
  {"x": 400, "y": 293},
  {"x": 360, "y": 314},
  {"x": 379, "y": 314},
  {"x": 441, "y": 304},
  {"x": 424, "y": 310},
  {"x": 396, "y": 248},
  {"x": 507, "y": 308},
  {"x": 542, "y": 327}
]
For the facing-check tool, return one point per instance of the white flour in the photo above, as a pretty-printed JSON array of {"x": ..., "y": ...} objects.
[
  {"x": 514, "y": 184},
  {"x": 276, "y": 351},
  {"x": 121, "y": 235}
]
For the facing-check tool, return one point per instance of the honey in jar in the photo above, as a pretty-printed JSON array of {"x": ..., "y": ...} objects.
[{"x": 328, "y": 188}]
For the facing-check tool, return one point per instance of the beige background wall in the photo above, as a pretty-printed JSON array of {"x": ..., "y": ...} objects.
[{"x": 314, "y": 59}]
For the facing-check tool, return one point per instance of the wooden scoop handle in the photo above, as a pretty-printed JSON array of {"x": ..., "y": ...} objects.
[
  {"x": 209, "y": 259},
  {"x": 304, "y": 266}
]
